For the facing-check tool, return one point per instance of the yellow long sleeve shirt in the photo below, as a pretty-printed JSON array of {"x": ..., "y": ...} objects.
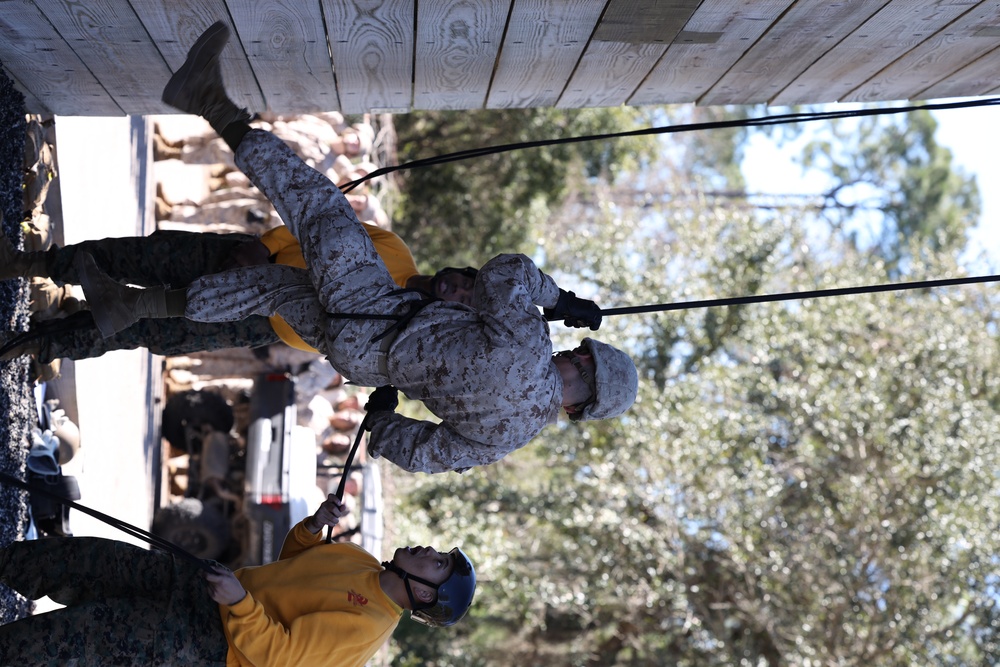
[
  {"x": 318, "y": 604},
  {"x": 286, "y": 250}
]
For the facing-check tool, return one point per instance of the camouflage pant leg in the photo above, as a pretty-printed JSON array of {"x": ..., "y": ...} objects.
[
  {"x": 165, "y": 257},
  {"x": 77, "y": 337},
  {"x": 347, "y": 272},
  {"x": 124, "y": 605},
  {"x": 263, "y": 290}
]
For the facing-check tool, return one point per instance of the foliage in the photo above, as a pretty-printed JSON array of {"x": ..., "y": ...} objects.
[
  {"x": 712, "y": 157},
  {"x": 893, "y": 167},
  {"x": 800, "y": 483},
  {"x": 463, "y": 213}
]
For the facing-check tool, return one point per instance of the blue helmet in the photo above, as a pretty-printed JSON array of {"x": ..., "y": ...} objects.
[{"x": 454, "y": 594}]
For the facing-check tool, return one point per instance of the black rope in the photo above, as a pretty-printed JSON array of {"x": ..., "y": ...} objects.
[
  {"x": 759, "y": 298},
  {"x": 763, "y": 121},
  {"x": 347, "y": 469},
  {"x": 135, "y": 531},
  {"x": 789, "y": 296}
]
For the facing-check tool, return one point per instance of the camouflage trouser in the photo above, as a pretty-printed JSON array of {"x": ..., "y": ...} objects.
[
  {"x": 345, "y": 274},
  {"x": 173, "y": 258},
  {"x": 77, "y": 336},
  {"x": 124, "y": 606}
]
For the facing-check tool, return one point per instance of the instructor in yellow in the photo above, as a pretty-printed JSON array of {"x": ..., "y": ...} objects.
[
  {"x": 318, "y": 604},
  {"x": 332, "y": 603}
]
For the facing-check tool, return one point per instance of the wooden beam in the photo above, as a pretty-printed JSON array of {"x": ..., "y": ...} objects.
[
  {"x": 46, "y": 67},
  {"x": 544, "y": 41},
  {"x": 372, "y": 46},
  {"x": 800, "y": 37},
  {"x": 964, "y": 40},
  {"x": 456, "y": 46},
  {"x": 285, "y": 43},
  {"x": 111, "y": 41},
  {"x": 716, "y": 36},
  {"x": 977, "y": 78},
  {"x": 625, "y": 47},
  {"x": 884, "y": 38},
  {"x": 175, "y": 26}
]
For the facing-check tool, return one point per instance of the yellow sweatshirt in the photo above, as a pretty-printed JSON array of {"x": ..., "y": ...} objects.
[
  {"x": 285, "y": 247},
  {"x": 318, "y": 604}
]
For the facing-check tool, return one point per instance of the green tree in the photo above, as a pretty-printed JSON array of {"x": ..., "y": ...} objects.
[
  {"x": 810, "y": 482},
  {"x": 890, "y": 174},
  {"x": 814, "y": 483},
  {"x": 464, "y": 213}
]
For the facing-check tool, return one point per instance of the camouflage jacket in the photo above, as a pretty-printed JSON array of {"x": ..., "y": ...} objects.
[{"x": 487, "y": 372}]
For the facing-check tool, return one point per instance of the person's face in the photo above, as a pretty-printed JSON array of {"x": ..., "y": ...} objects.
[
  {"x": 454, "y": 286},
  {"x": 577, "y": 392},
  {"x": 426, "y": 563},
  {"x": 351, "y": 142}
]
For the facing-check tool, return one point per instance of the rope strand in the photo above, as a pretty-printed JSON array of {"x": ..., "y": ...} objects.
[
  {"x": 763, "y": 121},
  {"x": 790, "y": 296},
  {"x": 134, "y": 531}
]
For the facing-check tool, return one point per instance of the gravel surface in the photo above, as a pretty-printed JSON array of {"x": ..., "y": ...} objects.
[{"x": 16, "y": 398}]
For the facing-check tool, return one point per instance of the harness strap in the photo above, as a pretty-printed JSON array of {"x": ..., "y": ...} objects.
[
  {"x": 412, "y": 308},
  {"x": 388, "y": 337}
]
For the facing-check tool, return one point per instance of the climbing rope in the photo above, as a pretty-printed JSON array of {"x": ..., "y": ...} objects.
[
  {"x": 762, "y": 121},
  {"x": 347, "y": 469},
  {"x": 134, "y": 531},
  {"x": 790, "y": 296}
]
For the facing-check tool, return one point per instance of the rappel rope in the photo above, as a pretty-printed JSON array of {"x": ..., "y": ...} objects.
[
  {"x": 347, "y": 469},
  {"x": 758, "y": 298},
  {"x": 762, "y": 121},
  {"x": 134, "y": 531},
  {"x": 156, "y": 540},
  {"x": 790, "y": 296}
]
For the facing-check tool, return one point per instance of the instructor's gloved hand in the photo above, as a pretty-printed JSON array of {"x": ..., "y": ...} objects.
[{"x": 574, "y": 311}]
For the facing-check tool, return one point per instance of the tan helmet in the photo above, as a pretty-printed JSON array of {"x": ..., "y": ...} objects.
[{"x": 616, "y": 384}]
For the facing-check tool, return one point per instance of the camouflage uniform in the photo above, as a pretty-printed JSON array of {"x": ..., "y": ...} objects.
[
  {"x": 173, "y": 258},
  {"x": 77, "y": 336},
  {"x": 124, "y": 606},
  {"x": 486, "y": 372}
]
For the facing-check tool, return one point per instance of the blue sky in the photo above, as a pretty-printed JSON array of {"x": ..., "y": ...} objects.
[{"x": 971, "y": 134}]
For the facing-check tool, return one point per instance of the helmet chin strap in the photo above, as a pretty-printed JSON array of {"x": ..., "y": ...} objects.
[{"x": 406, "y": 576}]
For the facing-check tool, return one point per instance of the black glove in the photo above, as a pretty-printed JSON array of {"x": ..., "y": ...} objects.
[
  {"x": 574, "y": 311},
  {"x": 383, "y": 399}
]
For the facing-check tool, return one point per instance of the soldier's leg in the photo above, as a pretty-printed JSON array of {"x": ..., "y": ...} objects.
[
  {"x": 343, "y": 264},
  {"x": 74, "y": 570},
  {"x": 145, "y": 602},
  {"x": 112, "y": 632},
  {"x": 262, "y": 291},
  {"x": 117, "y": 631},
  {"x": 165, "y": 257},
  {"x": 77, "y": 337},
  {"x": 342, "y": 261}
]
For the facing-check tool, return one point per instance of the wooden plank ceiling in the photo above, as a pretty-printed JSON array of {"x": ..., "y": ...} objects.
[{"x": 111, "y": 57}]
